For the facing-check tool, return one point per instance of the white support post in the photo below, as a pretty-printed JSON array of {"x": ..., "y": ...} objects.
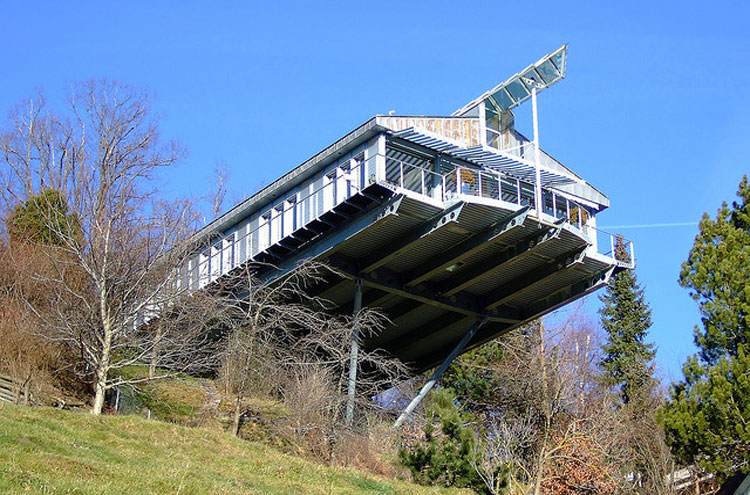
[
  {"x": 353, "y": 357},
  {"x": 439, "y": 372},
  {"x": 537, "y": 156}
]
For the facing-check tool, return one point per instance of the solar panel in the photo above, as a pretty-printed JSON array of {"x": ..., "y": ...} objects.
[{"x": 517, "y": 89}]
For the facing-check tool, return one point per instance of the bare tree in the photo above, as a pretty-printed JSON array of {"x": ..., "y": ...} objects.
[
  {"x": 282, "y": 341},
  {"x": 103, "y": 156},
  {"x": 221, "y": 174}
]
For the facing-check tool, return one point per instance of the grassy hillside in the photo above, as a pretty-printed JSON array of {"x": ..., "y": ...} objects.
[{"x": 50, "y": 451}]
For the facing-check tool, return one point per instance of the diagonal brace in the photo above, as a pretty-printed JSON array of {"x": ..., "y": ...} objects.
[{"x": 439, "y": 372}]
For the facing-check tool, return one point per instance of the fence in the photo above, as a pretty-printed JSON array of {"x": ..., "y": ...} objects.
[{"x": 6, "y": 389}]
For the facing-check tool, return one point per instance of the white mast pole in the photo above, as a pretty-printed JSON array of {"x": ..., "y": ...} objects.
[{"x": 537, "y": 160}]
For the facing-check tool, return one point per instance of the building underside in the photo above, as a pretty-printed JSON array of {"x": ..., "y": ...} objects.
[{"x": 435, "y": 270}]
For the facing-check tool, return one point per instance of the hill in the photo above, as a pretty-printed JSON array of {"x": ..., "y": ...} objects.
[{"x": 49, "y": 451}]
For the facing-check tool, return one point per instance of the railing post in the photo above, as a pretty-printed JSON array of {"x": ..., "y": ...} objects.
[{"x": 518, "y": 192}]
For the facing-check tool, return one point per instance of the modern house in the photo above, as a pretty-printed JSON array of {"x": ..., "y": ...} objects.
[{"x": 458, "y": 226}]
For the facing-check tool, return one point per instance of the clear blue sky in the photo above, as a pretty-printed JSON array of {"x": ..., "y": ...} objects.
[{"x": 655, "y": 110}]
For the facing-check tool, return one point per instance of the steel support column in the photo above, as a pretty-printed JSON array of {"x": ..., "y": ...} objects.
[
  {"x": 439, "y": 372},
  {"x": 354, "y": 357},
  {"x": 537, "y": 160}
]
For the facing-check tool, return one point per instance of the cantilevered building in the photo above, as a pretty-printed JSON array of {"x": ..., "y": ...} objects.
[{"x": 458, "y": 226}]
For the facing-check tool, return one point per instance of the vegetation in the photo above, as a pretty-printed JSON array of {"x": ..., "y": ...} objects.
[
  {"x": 51, "y": 451},
  {"x": 84, "y": 177},
  {"x": 445, "y": 457},
  {"x": 44, "y": 219},
  {"x": 707, "y": 417},
  {"x": 626, "y": 317}
]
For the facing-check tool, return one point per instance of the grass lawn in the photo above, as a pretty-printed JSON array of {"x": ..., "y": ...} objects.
[{"x": 50, "y": 451}]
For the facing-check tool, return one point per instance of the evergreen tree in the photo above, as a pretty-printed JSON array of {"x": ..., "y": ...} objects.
[
  {"x": 707, "y": 420},
  {"x": 44, "y": 219},
  {"x": 717, "y": 273},
  {"x": 446, "y": 454},
  {"x": 626, "y": 317}
]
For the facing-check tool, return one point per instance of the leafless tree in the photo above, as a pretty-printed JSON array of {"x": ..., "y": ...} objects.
[
  {"x": 499, "y": 457},
  {"x": 221, "y": 174},
  {"x": 282, "y": 341},
  {"x": 103, "y": 155}
]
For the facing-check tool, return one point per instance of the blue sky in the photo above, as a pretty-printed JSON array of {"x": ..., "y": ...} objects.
[{"x": 655, "y": 109}]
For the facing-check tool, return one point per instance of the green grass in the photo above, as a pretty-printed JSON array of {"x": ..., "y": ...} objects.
[
  {"x": 174, "y": 399},
  {"x": 49, "y": 451}
]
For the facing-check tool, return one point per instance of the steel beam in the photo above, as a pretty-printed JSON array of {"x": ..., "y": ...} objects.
[
  {"x": 533, "y": 278},
  {"x": 488, "y": 332},
  {"x": 439, "y": 372},
  {"x": 402, "y": 308},
  {"x": 330, "y": 242},
  {"x": 568, "y": 294},
  {"x": 427, "y": 330},
  {"x": 390, "y": 281},
  {"x": 440, "y": 221},
  {"x": 467, "y": 247},
  {"x": 372, "y": 298},
  {"x": 480, "y": 271}
]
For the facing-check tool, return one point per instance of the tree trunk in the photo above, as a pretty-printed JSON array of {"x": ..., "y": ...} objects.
[
  {"x": 155, "y": 352},
  {"x": 547, "y": 411},
  {"x": 99, "y": 391},
  {"x": 237, "y": 416},
  {"x": 102, "y": 368}
]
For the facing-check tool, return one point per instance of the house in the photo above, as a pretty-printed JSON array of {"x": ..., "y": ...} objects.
[{"x": 458, "y": 226}]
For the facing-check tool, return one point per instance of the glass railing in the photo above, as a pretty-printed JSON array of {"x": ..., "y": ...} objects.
[{"x": 414, "y": 178}]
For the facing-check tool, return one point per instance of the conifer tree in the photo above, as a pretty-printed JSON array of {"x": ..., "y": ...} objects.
[
  {"x": 626, "y": 317},
  {"x": 707, "y": 420}
]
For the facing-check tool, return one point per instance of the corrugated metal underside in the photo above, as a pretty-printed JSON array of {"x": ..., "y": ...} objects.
[{"x": 435, "y": 271}]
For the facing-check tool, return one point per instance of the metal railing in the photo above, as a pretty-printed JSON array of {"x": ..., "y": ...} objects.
[
  {"x": 286, "y": 217},
  {"x": 500, "y": 187},
  {"x": 414, "y": 178},
  {"x": 607, "y": 243},
  {"x": 300, "y": 210}
]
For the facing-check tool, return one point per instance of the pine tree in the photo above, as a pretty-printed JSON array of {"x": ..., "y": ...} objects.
[
  {"x": 707, "y": 420},
  {"x": 44, "y": 219},
  {"x": 717, "y": 273},
  {"x": 626, "y": 317},
  {"x": 446, "y": 454}
]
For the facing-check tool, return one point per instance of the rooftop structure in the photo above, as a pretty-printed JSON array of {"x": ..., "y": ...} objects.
[{"x": 458, "y": 226}]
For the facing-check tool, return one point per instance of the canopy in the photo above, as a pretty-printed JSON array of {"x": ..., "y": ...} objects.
[{"x": 517, "y": 89}]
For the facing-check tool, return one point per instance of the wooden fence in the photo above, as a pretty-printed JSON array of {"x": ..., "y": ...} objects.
[{"x": 6, "y": 389}]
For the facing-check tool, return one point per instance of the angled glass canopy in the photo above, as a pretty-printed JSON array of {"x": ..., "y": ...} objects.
[{"x": 517, "y": 88}]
